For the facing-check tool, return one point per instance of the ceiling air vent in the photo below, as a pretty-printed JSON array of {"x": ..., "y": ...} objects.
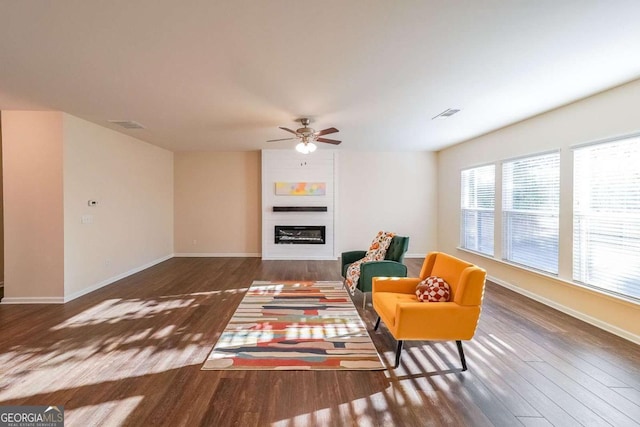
[
  {"x": 127, "y": 124},
  {"x": 446, "y": 113}
]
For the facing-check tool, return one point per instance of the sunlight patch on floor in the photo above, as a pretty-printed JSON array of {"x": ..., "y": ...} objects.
[
  {"x": 494, "y": 348},
  {"x": 344, "y": 414},
  {"x": 80, "y": 369},
  {"x": 303, "y": 420},
  {"x": 502, "y": 343},
  {"x": 264, "y": 332},
  {"x": 112, "y": 413},
  {"x": 119, "y": 310},
  {"x": 302, "y": 331},
  {"x": 86, "y": 349},
  {"x": 266, "y": 289},
  {"x": 208, "y": 293},
  {"x": 480, "y": 352}
]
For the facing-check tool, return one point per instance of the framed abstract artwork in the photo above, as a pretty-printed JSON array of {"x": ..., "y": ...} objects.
[{"x": 301, "y": 188}]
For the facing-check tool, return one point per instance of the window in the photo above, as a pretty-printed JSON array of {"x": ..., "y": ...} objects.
[
  {"x": 606, "y": 216},
  {"x": 530, "y": 204},
  {"x": 477, "y": 206}
]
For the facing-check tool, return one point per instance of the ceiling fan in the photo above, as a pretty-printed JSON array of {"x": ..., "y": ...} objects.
[{"x": 308, "y": 136}]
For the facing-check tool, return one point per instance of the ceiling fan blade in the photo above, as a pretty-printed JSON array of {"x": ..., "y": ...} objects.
[
  {"x": 329, "y": 141},
  {"x": 283, "y": 139},
  {"x": 327, "y": 131},
  {"x": 289, "y": 130}
]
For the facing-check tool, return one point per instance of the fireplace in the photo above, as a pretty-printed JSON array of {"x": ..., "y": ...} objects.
[{"x": 300, "y": 234}]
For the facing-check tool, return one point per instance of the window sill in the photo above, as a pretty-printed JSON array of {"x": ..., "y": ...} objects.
[{"x": 593, "y": 289}]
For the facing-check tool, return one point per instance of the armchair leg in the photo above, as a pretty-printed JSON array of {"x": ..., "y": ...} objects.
[
  {"x": 461, "y": 353},
  {"x": 364, "y": 300},
  {"x": 375, "y": 328},
  {"x": 398, "y": 351}
]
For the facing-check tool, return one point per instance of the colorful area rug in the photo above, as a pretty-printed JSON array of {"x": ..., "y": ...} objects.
[{"x": 295, "y": 326}]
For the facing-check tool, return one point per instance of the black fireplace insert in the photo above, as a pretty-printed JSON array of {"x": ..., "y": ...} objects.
[{"x": 300, "y": 234}]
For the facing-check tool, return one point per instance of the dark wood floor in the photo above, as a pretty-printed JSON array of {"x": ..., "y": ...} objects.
[{"x": 130, "y": 354}]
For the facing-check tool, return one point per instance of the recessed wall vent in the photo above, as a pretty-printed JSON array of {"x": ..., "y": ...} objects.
[
  {"x": 127, "y": 124},
  {"x": 446, "y": 113}
]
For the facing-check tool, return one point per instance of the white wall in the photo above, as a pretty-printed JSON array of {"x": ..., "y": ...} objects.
[
  {"x": 605, "y": 115},
  {"x": 391, "y": 191},
  {"x": 291, "y": 166},
  {"x": 132, "y": 225}
]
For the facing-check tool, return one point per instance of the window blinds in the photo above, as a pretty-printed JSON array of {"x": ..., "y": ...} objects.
[
  {"x": 530, "y": 204},
  {"x": 477, "y": 209},
  {"x": 606, "y": 216}
]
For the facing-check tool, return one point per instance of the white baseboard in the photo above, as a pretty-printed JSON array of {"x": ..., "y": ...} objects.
[
  {"x": 570, "y": 311},
  {"x": 113, "y": 279},
  {"x": 300, "y": 258},
  {"x": 218, "y": 255},
  {"x": 408, "y": 255},
  {"x": 32, "y": 300}
]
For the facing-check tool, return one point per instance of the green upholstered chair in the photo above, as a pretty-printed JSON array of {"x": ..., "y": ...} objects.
[{"x": 392, "y": 266}]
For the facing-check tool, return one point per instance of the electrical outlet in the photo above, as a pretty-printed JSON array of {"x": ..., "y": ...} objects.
[
  {"x": 195, "y": 242},
  {"x": 107, "y": 262}
]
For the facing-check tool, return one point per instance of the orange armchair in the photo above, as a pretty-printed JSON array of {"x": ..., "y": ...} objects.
[{"x": 396, "y": 304}]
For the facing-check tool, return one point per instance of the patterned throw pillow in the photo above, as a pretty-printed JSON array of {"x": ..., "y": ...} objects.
[{"x": 433, "y": 289}]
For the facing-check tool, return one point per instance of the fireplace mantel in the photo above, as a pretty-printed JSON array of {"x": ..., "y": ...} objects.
[{"x": 299, "y": 209}]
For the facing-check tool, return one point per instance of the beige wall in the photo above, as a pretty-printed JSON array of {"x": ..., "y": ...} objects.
[
  {"x": 132, "y": 225},
  {"x": 394, "y": 191},
  {"x": 32, "y": 147},
  {"x": 611, "y": 113},
  {"x": 217, "y": 203},
  {"x": 218, "y": 195}
]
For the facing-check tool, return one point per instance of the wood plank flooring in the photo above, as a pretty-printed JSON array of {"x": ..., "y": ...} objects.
[{"x": 130, "y": 354}]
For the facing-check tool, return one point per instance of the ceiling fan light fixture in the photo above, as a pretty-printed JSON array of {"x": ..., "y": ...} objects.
[
  {"x": 302, "y": 148},
  {"x": 308, "y": 137}
]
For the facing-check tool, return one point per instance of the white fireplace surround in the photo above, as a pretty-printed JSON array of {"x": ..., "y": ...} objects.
[{"x": 291, "y": 166}]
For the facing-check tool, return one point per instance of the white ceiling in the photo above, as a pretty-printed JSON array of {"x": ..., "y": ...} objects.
[{"x": 223, "y": 75}]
